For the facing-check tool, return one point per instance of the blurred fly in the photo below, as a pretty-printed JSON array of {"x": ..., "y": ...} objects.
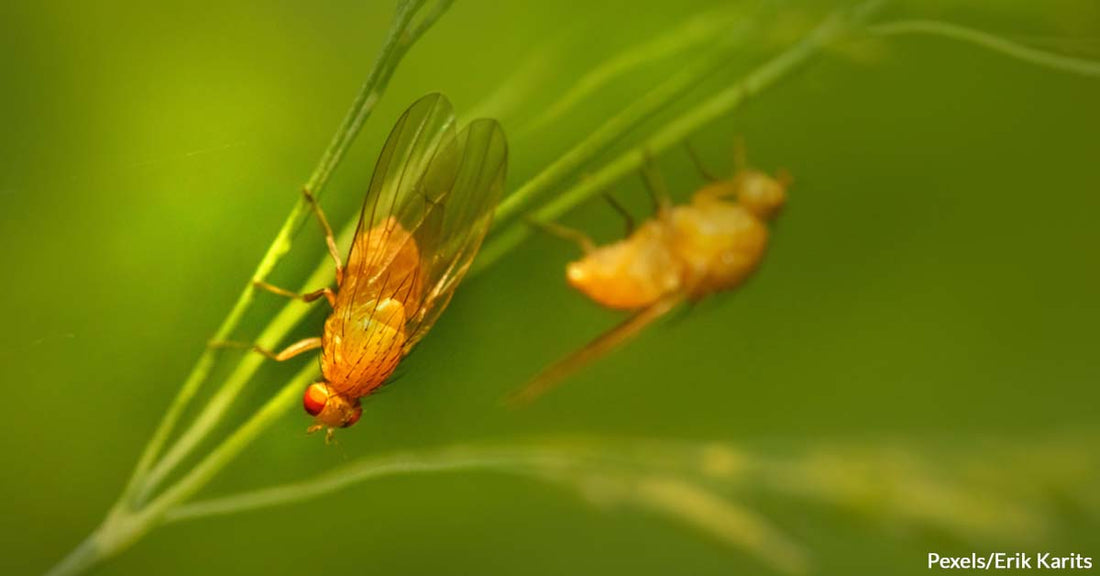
[
  {"x": 684, "y": 253},
  {"x": 427, "y": 210}
]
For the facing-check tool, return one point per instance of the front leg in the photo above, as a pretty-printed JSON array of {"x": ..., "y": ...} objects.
[
  {"x": 655, "y": 185},
  {"x": 330, "y": 238},
  {"x": 565, "y": 233},
  {"x": 618, "y": 207},
  {"x": 699, "y": 165},
  {"x": 307, "y": 297},
  {"x": 295, "y": 349}
]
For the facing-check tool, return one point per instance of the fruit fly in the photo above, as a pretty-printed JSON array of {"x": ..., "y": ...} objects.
[
  {"x": 686, "y": 252},
  {"x": 427, "y": 210}
]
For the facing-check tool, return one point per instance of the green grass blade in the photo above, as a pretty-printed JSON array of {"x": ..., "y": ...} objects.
[{"x": 989, "y": 41}]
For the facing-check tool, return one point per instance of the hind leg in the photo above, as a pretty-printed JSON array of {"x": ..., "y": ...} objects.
[
  {"x": 655, "y": 185},
  {"x": 618, "y": 207},
  {"x": 698, "y": 162},
  {"x": 565, "y": 233}
]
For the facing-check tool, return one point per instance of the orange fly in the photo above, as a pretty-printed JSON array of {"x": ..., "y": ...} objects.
[
  {"x": 685, "y": 252},
  {"x": 428, "y": 208}
]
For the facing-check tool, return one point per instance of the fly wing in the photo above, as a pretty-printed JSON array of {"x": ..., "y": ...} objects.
[
  {"x": 601, "y": 346},
  {"x": 457, "y": 223},
  {"x": 415, "y": 171}
]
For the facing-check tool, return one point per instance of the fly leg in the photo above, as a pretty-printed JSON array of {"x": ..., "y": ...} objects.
[
  {"x": 740, "y": 158},
  {"x": 602, "y": 346},
  {"x": 307, "y": 297},
  {"x": 655, "y": 185},
  {"x": 698, "y": 162},
  {"x": 618, "y": 207},
  {"x": 330, "y": 239},
  {"x": 295, "y": 349},
  {"x": 565, "y": 233}
]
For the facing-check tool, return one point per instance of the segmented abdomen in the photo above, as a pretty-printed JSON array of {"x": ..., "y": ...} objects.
[{"x": 362, "y": 351}]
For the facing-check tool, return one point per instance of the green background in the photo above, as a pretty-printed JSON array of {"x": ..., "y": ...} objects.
[{"x": 934, "y": 279}]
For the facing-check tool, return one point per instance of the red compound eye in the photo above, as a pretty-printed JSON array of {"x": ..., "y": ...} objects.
[
  {"x": 356, "y": 413},
  {"x": 315, "y": 398}
]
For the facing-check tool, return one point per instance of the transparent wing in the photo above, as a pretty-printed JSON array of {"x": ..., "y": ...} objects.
[
  {"x": 428, "y": 209},
  {"x": 415, "y": 171},
  {"x": 457, "y": 223},
  {"x": 601, "y": 346}
]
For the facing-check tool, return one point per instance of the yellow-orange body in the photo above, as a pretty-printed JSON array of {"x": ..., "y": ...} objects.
[
  {"x": 711, "y": 244},
  {"x": 631, "y": 273},
  {"x": 425, "y": 214},
  {"x": 706, "y": 246},
  {"x": 364, "y": 338}
]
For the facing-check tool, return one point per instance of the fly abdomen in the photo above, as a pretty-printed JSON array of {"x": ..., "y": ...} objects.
[{"x": 362, "y": 351}]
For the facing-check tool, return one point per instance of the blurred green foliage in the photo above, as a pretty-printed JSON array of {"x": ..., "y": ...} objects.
[{"x": 934, "y": 278}]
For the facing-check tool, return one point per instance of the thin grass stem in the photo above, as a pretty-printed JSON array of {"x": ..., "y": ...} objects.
[
  {"x": 674, "y": 132},
  {"x": 618, "y": 126},
  {"x": 270, "y": 337},
  {"x": 991, "y": 42},
  {"x": 697, "y": 30},
  {"x": 141, "y": 507},
  {"x": 403, "y": 33},
  {"x": 125, "y": 521},
  {"x": 513, "y": 460}
]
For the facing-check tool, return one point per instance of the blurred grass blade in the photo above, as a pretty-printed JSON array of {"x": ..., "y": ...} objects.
[
  {"x": 672, "y": 133},
  {"x": 991, "y": 42},
  {"x": 511, "y": 94},
  {"x": 723, "y": 519},
  {"x": 620, "y": 124},
  {"x": 898, "y": 484},
  {"x": 510, "y": 459},
  {"x": 199, "y": 475},
  {"x": 982, "y": 493},
  {"x": 595, "y": 469},
  {"x": 697, "y": 30},
  {"x": 146, "y": 478},
  {"x": 123, "y": 525}
]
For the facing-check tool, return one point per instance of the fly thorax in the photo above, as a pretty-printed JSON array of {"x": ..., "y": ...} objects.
[{"x": 721, "y": 244}]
